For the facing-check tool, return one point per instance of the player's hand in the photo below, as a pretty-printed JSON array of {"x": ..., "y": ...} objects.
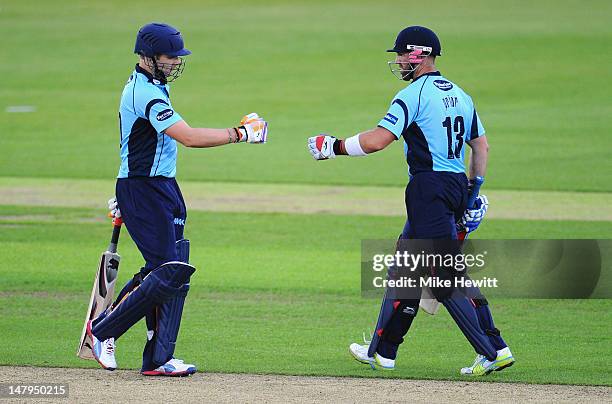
[
  {"x": 114, "y": 208},
  {"x": 321, "y": 147},
  {"x": 472, "y": 218},
  {"x": 253, "y": 129}
]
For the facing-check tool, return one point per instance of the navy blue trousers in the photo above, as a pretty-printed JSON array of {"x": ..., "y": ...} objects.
[
  {"x": 154, "y": 214},
  {"x": 435, "y": 201}
]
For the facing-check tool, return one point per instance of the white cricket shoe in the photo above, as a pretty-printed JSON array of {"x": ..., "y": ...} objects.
[
  {"x": 470, "y": 369},
  {"x": 174, "y": 367},
  {"x": 383, "y": 363},
  {"x": 482, "y": 366},
  {"x": 360, "y": 353},
  {"x": 103, "y": 351}
]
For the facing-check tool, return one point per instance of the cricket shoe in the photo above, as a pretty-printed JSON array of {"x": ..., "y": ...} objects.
[
  {"x": 360, "y": 353},
  {"x": 103, "y": 351},
  {"x": 174, "y": 367},
  {"x": 482, "y": 366}
]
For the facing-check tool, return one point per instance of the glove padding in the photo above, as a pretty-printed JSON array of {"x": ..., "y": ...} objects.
[
  {"x": 321, "y": 147},
  {"x": 472, "y": 218},
  {"x": 114, "y": 208},
  {"x": 253, "y": 129}
]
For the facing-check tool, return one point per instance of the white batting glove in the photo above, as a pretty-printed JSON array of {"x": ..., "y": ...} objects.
[
  {"x": 114, "y": 208},
  {"x": 322, "y": 147},
  {"x": 253, "y": 129},
  {"x": 472, "y": 218}
]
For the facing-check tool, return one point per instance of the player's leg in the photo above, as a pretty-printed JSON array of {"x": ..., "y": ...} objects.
[
  {"x": 485, "y": 319},
  {"x": 398, "y": 310},
  {"x": 394, "y": 320},
  {"x": 396, "y": 315},
  {"x": 481, "y": 305},
  {"x": 432, "y": 202},
  {"x": 162, "y": 284},
  {"x": 164, "y": 322},
  {"x": 460, "y": 307},
  {"x": 505, "y": 357},
  {"x": 149, "y": 222},
  {"x": 133, "y": 199}
]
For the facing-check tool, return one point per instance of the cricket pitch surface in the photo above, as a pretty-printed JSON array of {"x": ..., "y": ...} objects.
[{"x": 97, "y": 385}]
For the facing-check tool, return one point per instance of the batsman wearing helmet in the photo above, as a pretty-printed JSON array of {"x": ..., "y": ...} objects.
[
  {"x": 151, "y": 205},
  {"x": 436, "y": 119}
]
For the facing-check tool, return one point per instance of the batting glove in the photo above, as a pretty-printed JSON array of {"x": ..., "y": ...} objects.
[
  {"x": 253, "y": 129},
  {"x": 472, "y": 218},
  {"x": 114, "y": 208},
  {"x": 322, "y": 147}
]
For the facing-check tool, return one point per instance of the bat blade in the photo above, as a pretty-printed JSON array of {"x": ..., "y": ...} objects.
[
  {"x": 428, "y": 302},
  {"x": 101, "y": 297}
]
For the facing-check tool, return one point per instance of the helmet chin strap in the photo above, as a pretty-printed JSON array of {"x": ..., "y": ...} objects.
[
  {"x": 410, "y": 75},
  {"x": 413, "y": 72},
  {"x": 157, "y": 72}
]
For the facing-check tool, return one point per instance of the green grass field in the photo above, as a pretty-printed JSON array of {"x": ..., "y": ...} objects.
[
  {"x": 286, "y": 298},
  {"x": 533, "y": 69},
  {"x": 291, "y": 306}
]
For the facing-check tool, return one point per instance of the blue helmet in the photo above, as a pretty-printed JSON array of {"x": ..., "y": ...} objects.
[
  {"x": 417, "y": 36},
  {"x": 157, "y": 38}
]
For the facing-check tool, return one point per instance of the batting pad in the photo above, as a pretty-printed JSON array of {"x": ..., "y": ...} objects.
[
  {"x": 464, "y": 314},
  {"x": 159, "y": 286}
]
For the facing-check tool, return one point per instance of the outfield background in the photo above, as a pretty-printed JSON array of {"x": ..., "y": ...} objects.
[{"x": 278, "y": 290}]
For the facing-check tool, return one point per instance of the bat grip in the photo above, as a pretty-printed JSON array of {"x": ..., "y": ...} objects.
[
  {"x": 117, "y": 222},
  {"x": 474, "y": 190}
]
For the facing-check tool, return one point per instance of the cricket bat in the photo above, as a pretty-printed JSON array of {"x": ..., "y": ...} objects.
[
  {"x": 103, "y": 289},
  {"x": 428, "y": 302}
]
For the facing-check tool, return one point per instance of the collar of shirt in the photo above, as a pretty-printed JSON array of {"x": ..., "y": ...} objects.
[
  {"x": 149, "y": 76},
  {"x": 436, "y": 73}
]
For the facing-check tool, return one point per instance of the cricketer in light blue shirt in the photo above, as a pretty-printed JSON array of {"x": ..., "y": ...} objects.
[
  {"x": 144, "y": 114},
  {"x": 435, "y": 117}
]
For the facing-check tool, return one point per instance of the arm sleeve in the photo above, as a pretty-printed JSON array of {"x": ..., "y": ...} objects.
[
  {"x": 477, "y": 129},
  {"x": 161, "y": 114},
  {"x": 396, "y": 119}
]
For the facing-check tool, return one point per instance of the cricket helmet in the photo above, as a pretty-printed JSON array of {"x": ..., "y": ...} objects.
[
  {"x": 157, "y": 38},
  {"x": 416, "y": 36},
  {"x": 418, "y": 43}
]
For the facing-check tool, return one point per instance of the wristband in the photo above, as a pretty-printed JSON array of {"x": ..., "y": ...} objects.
[
  {"x": 353, "y": 147},
  {"x": 241, "y": 134},
  {"x": 338, "y": 147}
]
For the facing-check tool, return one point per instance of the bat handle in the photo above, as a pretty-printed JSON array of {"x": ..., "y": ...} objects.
[
  {"x": 117, "y": 222},
  {"x": 476, "y": 184}
]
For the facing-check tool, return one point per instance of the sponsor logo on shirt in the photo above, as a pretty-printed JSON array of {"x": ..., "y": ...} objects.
[
  {"x": 390, "y": 118},
  {"x": 165, "y": 114},
  {"x": 443, "y": 85},
  {"x": 179, "y": 221}
]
